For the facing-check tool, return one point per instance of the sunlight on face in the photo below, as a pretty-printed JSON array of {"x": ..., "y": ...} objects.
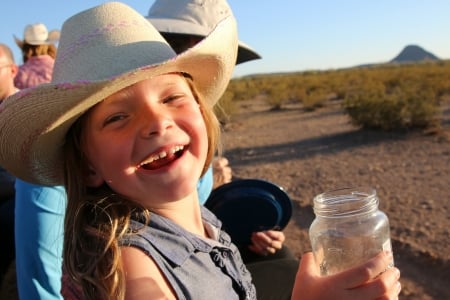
[{"x": 148, "y": 142}]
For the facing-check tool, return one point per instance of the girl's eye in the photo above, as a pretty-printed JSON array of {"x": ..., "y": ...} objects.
[
  {"x": 114, "y": 118},
  {"x": 173, "y": 97}
]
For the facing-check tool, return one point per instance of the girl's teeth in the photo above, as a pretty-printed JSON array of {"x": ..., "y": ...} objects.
[{"x": 163, "y": 154}]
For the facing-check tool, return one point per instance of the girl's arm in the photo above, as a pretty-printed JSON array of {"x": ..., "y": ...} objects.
[
  {"x": 372, "y": 280},
  {"x": 143, "y": 278}
]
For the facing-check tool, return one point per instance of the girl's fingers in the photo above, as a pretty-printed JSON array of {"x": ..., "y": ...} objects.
[
  {"x": 384, "y": 286},
  {"x": 308, "y": 265},
  {"x": 357, "y": 276},
  {"x": 371, "y": 280}
]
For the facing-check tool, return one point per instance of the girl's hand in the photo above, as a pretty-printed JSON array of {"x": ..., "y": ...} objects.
[
  {"x": 267, "y": 242},
  {"x": 372, "y": 280}
]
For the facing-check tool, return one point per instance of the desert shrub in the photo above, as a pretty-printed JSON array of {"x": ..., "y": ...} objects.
[
  {"x": 421, "y": 107},
  {"x": 315, "y": 99},
  {"x": 277, "y": 93},
  {"x": 402, "y": 107},
  {"x": 298, "y": 93}
]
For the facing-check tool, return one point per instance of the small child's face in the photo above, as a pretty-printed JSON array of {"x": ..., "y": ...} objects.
[{"x": 148, "y": 142}]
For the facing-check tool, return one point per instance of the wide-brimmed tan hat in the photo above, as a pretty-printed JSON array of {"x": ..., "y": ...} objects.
[
  {"x": 194, "y": 17},
  {"x": 37, "y": 34},
  {"x": 101, "y": 51}
]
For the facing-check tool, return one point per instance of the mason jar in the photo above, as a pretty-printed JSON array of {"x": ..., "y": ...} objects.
[{"x": 348, "y": 229}]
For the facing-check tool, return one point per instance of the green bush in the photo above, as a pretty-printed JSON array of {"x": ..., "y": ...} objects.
[{"x": 402, "y": 107}]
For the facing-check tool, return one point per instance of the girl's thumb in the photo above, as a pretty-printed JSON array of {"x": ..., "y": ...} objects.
[{"x": 308, "y": 265}]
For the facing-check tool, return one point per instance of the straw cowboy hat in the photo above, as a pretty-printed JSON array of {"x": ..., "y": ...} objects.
[
  {"x": 37, "y": 34},
  {"x": 102, "y": 50},
  {"x": 194, "y": 17}
]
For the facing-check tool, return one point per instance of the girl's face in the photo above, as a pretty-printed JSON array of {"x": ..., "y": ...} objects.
[{"x": 148, "y": 142}]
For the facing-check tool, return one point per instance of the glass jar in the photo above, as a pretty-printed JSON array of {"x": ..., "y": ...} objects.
[{"x": 348, "y": 229}]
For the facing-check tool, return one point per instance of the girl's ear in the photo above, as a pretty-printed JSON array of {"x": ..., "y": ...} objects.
[{"x": 93, "y": 179}]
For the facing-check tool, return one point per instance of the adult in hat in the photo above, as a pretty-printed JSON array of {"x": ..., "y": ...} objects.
[
  {"x": 186, "y": 22},
  {"x": 38, "y": 48}
]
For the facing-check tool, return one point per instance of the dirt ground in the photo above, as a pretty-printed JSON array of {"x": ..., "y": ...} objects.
[{"x": 307, "y": 153}]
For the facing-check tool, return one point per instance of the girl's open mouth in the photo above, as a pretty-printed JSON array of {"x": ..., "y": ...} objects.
[{"x": 163, "y": 158}]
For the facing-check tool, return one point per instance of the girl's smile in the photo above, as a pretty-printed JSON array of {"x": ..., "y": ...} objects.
[{"x": 162, "y": 158}]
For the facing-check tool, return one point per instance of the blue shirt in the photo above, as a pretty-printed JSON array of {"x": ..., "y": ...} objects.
[
  {"x": 205, "y": 185},
  {"x": 39, "y": 226}
]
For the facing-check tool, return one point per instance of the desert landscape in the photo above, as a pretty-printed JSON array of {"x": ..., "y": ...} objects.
[{"x": 307, "y": 153}]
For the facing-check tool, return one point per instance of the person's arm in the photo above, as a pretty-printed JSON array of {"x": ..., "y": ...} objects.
[
  {"x": 143, "y": 277},
  {"x": 372, "y": 280}
]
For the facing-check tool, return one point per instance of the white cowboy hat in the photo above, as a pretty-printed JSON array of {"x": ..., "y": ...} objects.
[
  {"x": 37, "y": 34},
  {"x": 194, "y": 17},
  {"x": 102, "y": 50}
]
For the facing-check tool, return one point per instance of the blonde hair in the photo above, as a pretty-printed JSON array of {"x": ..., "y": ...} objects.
[
  {"x": 97, "y": 218},
  {"x": 36, "y": 50}
]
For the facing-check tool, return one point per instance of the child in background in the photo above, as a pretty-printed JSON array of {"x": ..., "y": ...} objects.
[{"x": 127, "y": 126}]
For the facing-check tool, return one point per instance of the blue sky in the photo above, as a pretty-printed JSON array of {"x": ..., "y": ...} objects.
[{"x": 291, "y": 35}]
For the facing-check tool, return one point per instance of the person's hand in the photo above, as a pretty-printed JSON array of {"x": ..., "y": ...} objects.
[
  {"x": 267, "y": 242},
  {"x": 221, "y": 171},
  {"x": 372, "y": 280}
]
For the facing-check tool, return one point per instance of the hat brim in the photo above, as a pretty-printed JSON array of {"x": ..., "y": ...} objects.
[
  {"x": 250, "y": 205},
  {"x": 34, "y": 121},
  {"x": 245, "y": 53},
  {"x": 18, "y": 42},
  {"x": 178, "y": 26}
]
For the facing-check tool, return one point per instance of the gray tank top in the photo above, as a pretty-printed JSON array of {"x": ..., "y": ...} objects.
[{"x": 196, "y": 268}]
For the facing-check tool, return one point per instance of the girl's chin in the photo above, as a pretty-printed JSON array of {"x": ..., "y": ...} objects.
[{"x": 177, "y": 188}]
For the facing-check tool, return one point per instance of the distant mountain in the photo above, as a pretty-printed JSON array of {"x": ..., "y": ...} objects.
[{"x": 413, "y": 53}]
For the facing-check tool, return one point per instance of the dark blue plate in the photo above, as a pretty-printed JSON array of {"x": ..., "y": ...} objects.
[{"x": 249, "y": 205}]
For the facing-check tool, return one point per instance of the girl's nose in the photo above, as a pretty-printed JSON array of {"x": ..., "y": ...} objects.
[{"x": 155, "y": 122}]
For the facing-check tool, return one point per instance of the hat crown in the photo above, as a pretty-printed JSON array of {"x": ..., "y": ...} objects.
[
  {"x": 202, "y": 15},
  {"x": 35, "y": 34},
  {"x": 106, "y": 41}
]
